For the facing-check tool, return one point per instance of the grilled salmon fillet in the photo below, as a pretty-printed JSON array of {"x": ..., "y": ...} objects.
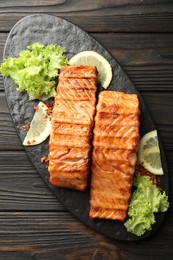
[
  {"x": 115, "y": 142},
  {"x": 72, "y": 124}
]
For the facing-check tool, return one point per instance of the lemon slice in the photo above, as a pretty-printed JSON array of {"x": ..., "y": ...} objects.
[
  {"x": 149, "y": 153},
  {"x": 40, "y": 126},
  {"x": 92, "y": 58}
]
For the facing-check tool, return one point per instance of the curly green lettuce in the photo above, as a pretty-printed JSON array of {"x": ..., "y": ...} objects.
[
  {"x": 145, "y": 201},
  {"x": 36, "y": 69}
]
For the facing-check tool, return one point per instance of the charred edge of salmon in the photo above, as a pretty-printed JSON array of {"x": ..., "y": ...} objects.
[
  {"x": 71, "y": 184},
  {"x": 117, "y": 214},
  {"x": 78, "y": 71}
]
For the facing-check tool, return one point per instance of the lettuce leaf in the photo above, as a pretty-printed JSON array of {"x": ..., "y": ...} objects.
[
  {"x": 145, "y": 201},
  {"x": 36, "y": 69}
]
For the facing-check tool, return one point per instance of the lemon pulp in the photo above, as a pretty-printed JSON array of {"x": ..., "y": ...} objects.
[
  {"x": 149, "y": 153},
  {"x": 40, "y": 126}
]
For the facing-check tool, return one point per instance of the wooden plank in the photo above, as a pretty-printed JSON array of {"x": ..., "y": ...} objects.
[
  {"x": 7, "y": 128},
  {"x": 2, "y": 44},
  {"x": 78, "y": 5},
  {"x": 155, "y": 101},
  {"x": 96, "y": 16},
  {"x": 146, "y": 58},
  {"x": 53, "y": 235}
]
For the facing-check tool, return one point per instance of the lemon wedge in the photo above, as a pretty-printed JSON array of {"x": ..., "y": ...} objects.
[
  {"x": 92, "y": 58},
  {"x": 149, "y": 153},
  {"x": 40, "y": 126}
]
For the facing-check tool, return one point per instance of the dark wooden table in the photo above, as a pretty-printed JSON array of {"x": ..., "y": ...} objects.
[{"x": 33, "y": 223}]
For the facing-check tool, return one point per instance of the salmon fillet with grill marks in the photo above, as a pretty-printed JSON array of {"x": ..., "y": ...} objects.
[
  {"x": 72, "y": 123},
  {"x": 116, "y": 137}
]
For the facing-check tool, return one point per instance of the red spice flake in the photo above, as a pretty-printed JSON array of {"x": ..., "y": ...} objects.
[
  {"x": 44, "y": 159},
  {"x": 26, "y": 126},
  {"x": 49, "y": 105},
  {"x": 142, "y": 171},
  {"x": 35, "y": 108},
  {"x": 49, "y": 108},
  {"x": 28, "y": 142},
  {"x": 49, "y": 113}
]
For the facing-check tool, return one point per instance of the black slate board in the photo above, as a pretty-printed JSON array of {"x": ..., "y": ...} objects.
[{"x": 49, "y": 29}]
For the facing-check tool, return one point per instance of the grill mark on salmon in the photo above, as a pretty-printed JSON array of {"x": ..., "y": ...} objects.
[
  {"x": 78, "y": 72},
  {"x": 77, "y": 91},
  {"x": 117, "y": 131},
  {"x": 120, "y": 155},
  {"x": 70, "y": 153},
  {"x": 78, "y": 111},
  {"x": 110, "y": 119},
  {"x": 116, "y": 137},
  {"x": 76, "y": 129},
  {"x": 75, "y": 165},
  {"x": 72, "y": 122},
  {"x": 69, "y": 140},
  {"x": 111, "y": 165},
  {"x": 115, "y": 104},
  {"x": 116, "y": 142},
  {"x": 73, "y": 83}
]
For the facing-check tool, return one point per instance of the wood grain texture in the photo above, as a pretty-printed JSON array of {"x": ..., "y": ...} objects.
[
  {"x": 96, "y": 16},
  {"x": 54, "y": 234},
  {"x": 21, "y": 187},
  {"x": 7, "y": 128},
  {"x": 79, "y": 5}
]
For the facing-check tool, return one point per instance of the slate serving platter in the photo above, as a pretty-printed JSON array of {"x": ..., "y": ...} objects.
[{"x": 49, "y": 29}]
